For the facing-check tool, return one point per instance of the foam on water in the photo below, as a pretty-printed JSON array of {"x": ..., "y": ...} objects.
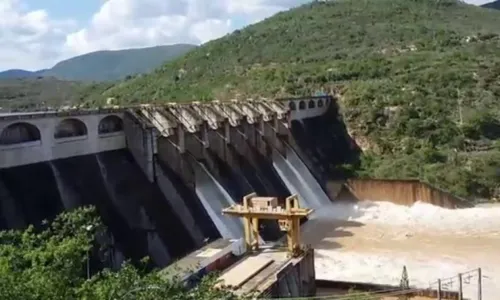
[
  {"x": 420, "y": 214},
  {"x": 367, "y": 258}
]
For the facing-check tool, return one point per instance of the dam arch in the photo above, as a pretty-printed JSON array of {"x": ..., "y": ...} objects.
[
  {"x": 18, "y": 133},
  {"x": 70, "y": 127},
  {"x": 110, "y": 124}
]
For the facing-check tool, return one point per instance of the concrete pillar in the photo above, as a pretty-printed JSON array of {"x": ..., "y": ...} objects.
[
  {"x": 148, "y": 145},
  {"x": 204, "y": 135},
  {"x": 181, "y": 139},
  {"x": 179, "y": 206},
  {"x": 227, "y": 132},
  {"x": 47, "y": 129},
  {"x": 141, "y": 143},
  {"x": 92, "y": 124}
]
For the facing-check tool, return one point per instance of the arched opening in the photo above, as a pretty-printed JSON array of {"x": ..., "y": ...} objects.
[
  {"x": 110, "y": 124},
  {"x": 70, "y": 128},
  {"x": 302, "y": 105},
  {"x": 292, "y": 105},
  {"x": 18, "y": 133},
  {"x": 311, "y": 104},
  {"x": 320, "y": 103}
]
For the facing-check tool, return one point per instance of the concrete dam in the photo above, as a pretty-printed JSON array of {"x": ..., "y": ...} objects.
[{"x": 159, "y": 176}]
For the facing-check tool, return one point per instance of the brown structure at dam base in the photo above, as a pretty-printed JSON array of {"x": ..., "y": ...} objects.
[{"x": 404, "y": 192}]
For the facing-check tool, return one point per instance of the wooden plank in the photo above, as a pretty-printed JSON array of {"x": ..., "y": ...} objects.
[{"x": 244, "y": 271}]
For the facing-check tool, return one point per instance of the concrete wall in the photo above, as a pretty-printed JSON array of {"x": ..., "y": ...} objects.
[
  {"x": 140, "y": 142},
  {"x": 297, "y": 279},
  {"x": 405, "y": 192},
  {"x": 48, "y": 146},
  {"x": 54, "y": 141},
  {"x": 309, "y": 107}
]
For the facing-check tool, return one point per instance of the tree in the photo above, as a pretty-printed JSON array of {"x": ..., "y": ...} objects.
[{"x": 50, "y": 263}]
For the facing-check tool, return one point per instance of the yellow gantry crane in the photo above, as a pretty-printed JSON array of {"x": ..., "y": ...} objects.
[{"x": 255, "y": 208}]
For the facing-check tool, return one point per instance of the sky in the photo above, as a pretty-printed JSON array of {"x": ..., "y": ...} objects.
[{"x": 36, "y": 34}]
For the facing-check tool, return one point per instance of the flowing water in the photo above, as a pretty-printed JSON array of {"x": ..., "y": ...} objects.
[
  {"x": 372, "y": 241},
  {"x": 214, "y": 198},
  {"x": 364, "y": 242},
  {"x": 299, "y": 180},
  {"x": 68, "y": 197}
]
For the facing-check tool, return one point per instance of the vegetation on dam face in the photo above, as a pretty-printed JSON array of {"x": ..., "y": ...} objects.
[
  {"x": 418, "y": 81},
  {"x": 51, "y": 263}
]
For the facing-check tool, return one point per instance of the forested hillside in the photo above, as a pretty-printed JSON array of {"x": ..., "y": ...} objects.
[
  {"x": 34, "y": 93},
  {"x": 418, "y": 81}
]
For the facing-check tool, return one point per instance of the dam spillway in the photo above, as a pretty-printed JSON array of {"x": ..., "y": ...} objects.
[{"x": 159, "y": 175}]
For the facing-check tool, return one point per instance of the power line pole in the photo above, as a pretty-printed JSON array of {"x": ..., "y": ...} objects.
[
  {"x": 460, "y": 288},
  {"x": 479, "y": 284},
  {"x": 404, "y": 283},
  {"x": 439, "y": 290}
]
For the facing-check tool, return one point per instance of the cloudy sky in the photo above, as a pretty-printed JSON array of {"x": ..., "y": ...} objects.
[{"x": 35, "y": 34}]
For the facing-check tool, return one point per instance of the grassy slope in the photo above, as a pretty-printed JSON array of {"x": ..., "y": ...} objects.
[{"x": 401, "y": 67}]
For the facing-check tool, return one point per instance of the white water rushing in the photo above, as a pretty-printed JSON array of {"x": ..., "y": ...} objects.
[
  {"x": 214, "y": 198},
  {"x": 299, "y": 180},
  {"x": 372, "y": 241},
  {"x": 68, "y": 197},
  {"x": 430, "y": 217}
]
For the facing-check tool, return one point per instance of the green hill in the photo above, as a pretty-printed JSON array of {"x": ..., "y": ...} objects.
[
  {"x": 114, "y": 65},
  {"x": 418, "y": 81},
  {"x": 106, "y": 65},
  {"x": 65, "y": 82},
  {"x": 16, "y": 73},
  {"x": 493, "y": 5}
]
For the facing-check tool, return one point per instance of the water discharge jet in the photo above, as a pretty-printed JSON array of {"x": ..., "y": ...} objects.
[
  {"x": 299, "y": 180},
  {"x": 214, "y": 198}
]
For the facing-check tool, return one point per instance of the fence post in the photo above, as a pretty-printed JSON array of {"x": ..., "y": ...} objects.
[
  {"x": 479, "y": 284},
  {"x": 439, "y": 289},
  {"x": 460, "y": 289}
]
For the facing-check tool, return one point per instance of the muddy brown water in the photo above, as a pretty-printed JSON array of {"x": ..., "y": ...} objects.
[{"x": 368, "y": 252}]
